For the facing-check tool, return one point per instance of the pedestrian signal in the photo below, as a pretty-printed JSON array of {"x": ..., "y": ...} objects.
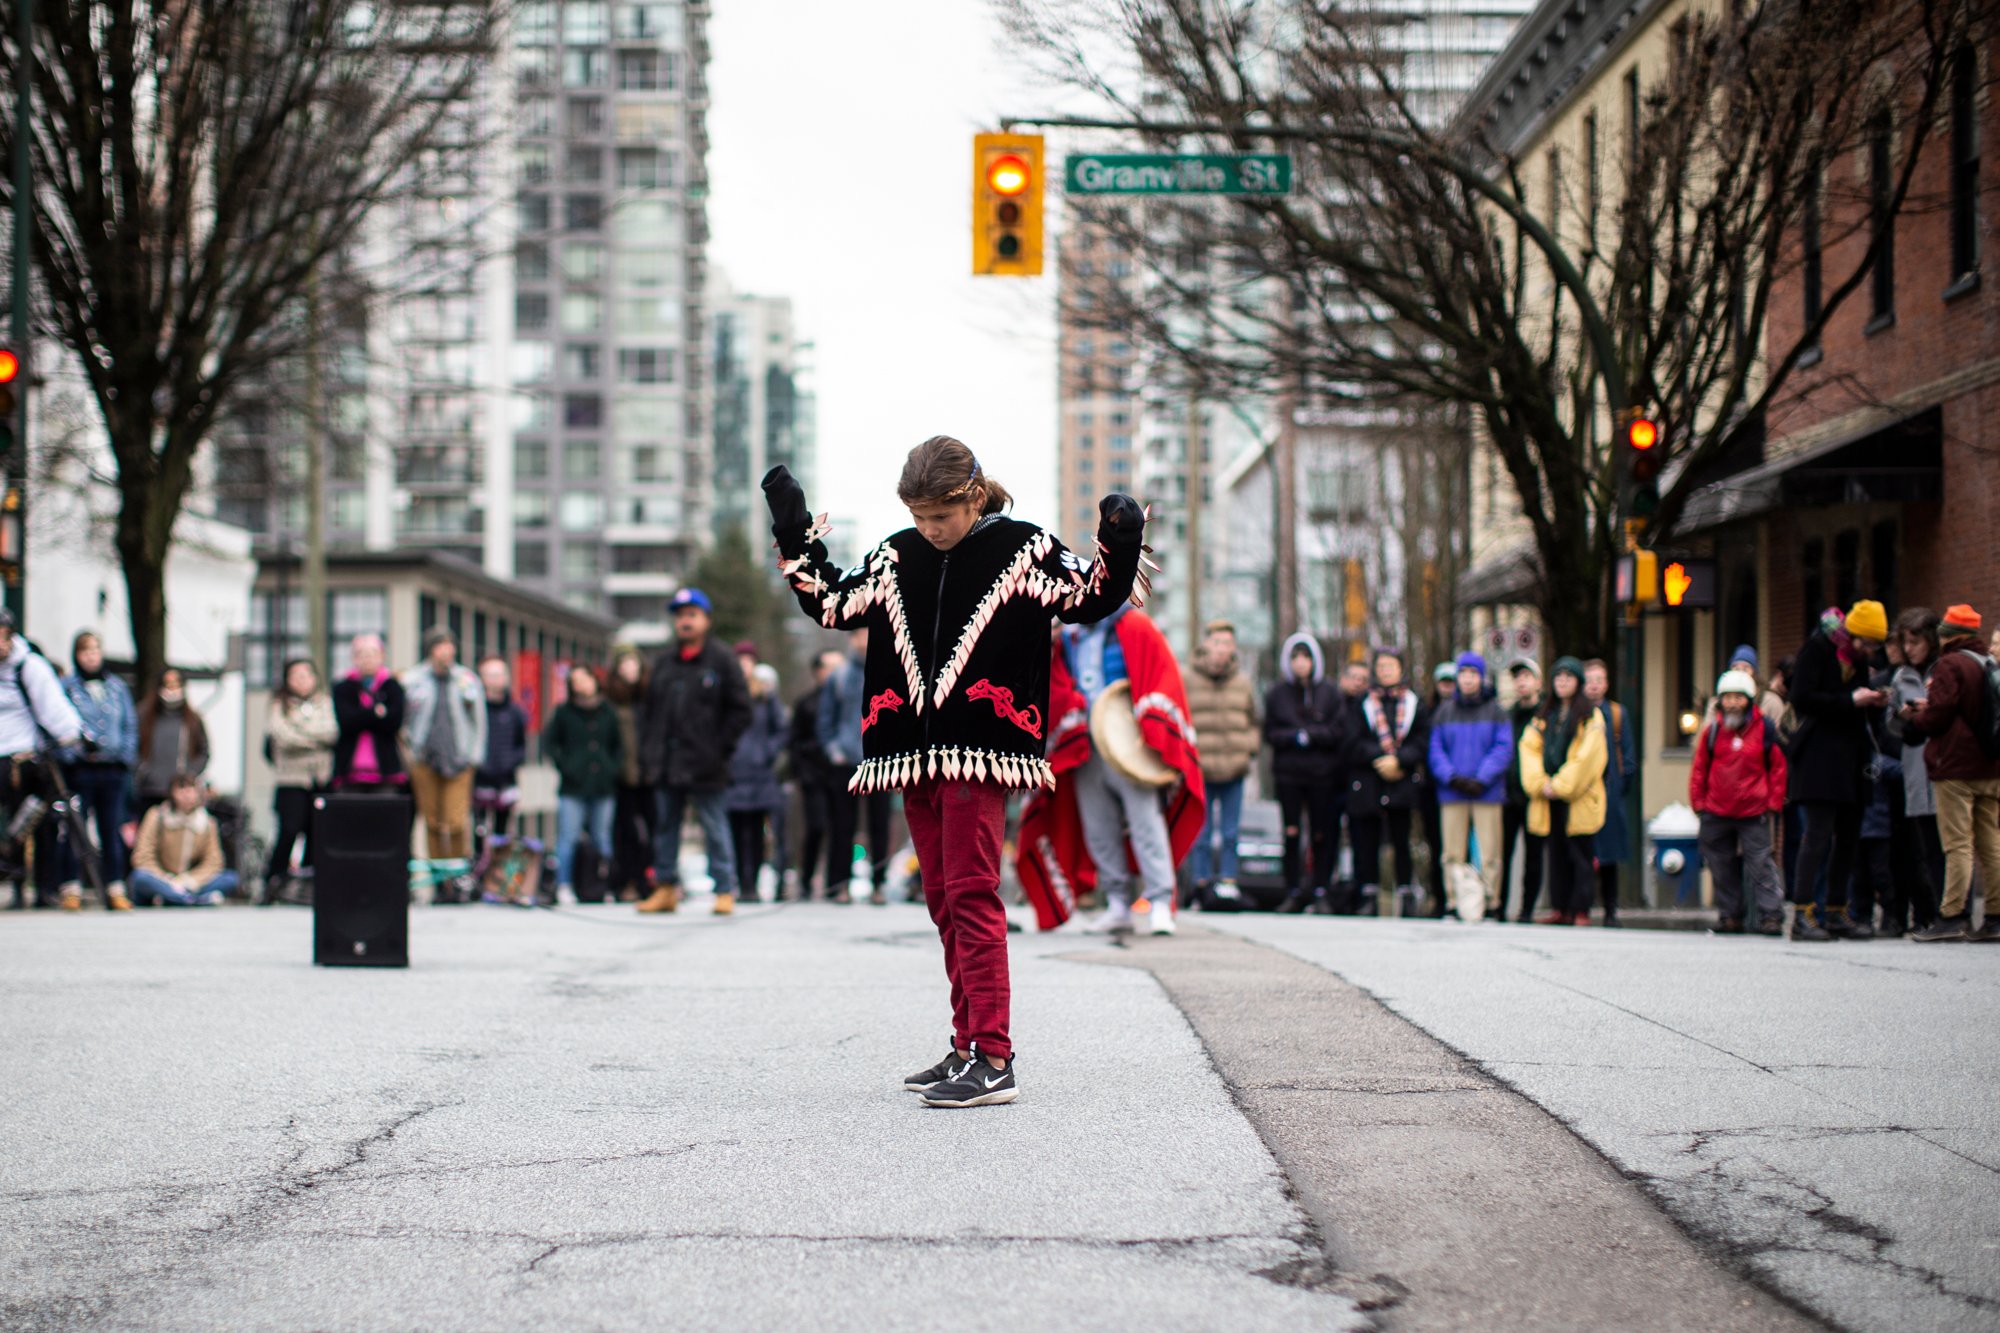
[
  {"x": 1688, "y": 585},
  {"x": 1007, "y": 196},
  {"x": 10, "y": 400},
  {"x": 1637, "y": 579}
]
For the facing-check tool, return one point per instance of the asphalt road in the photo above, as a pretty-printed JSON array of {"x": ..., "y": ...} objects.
[
  {"x": 586, "y": 1120},
  {"x": 1824, "y": 1117}
]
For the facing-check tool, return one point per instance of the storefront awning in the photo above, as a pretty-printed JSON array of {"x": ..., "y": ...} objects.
[
  {"x": 1902, "y": 460},
  {"x": 1506, "y": 578}
]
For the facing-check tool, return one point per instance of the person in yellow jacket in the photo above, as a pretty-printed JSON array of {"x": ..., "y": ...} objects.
[{"x": 1566, "y": 805}]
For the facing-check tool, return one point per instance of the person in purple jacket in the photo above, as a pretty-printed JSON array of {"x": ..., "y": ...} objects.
[{"x": 1472, "y": 744}]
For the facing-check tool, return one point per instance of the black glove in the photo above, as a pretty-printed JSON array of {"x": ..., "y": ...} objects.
[
  {"x": 787, "y": 500},
  {"x": 1120, "y": 521},
  {"x": 1468, "y": 786}
]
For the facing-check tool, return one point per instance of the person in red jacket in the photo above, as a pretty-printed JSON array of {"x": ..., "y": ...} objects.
[{"x": 1737, "y": 783}]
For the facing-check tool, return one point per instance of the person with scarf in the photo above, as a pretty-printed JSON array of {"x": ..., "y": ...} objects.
[
  {"x": 1830, "y": 692},
  {"x": 1121, "y": 823},
  {"x": 1526, "y": 674},
  {"x": 100, "y": 768},
  {"x": 368, "y": 705},
  {"x": 172, "y": 739},
  {"x": 1566, "y": 802},
  {"x": 1385, "y": 758}
]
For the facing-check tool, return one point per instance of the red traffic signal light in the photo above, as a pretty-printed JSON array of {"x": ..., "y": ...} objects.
[
  {"x": 1645, "y": 452},
  {"x": 1007, "y": 175},
  {"x": 1642, "y": 433},
  {"x": 10, "y": 365}
]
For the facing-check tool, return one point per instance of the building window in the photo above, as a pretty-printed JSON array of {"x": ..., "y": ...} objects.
[
  {"x": 586, "y": 116},
  {"x": 579, "y": 562},
  {"x": 646, "y": 71},
  {"x": 582, "y": 511},
  {"x": 583, "y": 460},
  {"x": 1593, "y": 180},
  {"x": 584, "y": 68},
  {"x": 1633, "y": 126},
  {"x": 644, "y": 169},
  {"x": 538, "y": 115},
  {"x": 1882, "y": 222},
  {"x": 586, "y": 22},
  {"x": 531, "y": 262},
  {"x": 650, "y": 21},
  {"x": 532, "y": 161},
  {"x": 1085, "y": 442},
  {"x": 646, "y": 365},
  {"x": 1964, "y": 163},
  {"x": 532, "y": 361},
  {"x": 531, "y": 560},
  {"x": 583, "y": 164},
  {"x": 531, "y": 311},
  {"x": 583, "y": 212},
  {"x": 531, "y": 510},
  {"x": 532, "y": 212},
  {"x": 644, "y": 462},
  {"x": 582, "y": 361},
  {"x": 531, "y": 460},
  {"x": 583, "y": 261},
  {"x": 583, "y": 411},
  {"x": 582, "y": 311},
  {"x": 535, "y": 24}
]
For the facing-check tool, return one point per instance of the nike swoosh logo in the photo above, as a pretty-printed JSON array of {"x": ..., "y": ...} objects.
[{"x": 993, "y": 1083}]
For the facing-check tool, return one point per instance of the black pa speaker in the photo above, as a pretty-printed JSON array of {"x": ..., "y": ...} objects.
[{"x": 361, "y": 880}]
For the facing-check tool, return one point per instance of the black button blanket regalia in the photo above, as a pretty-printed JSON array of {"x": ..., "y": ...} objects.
[{"x": 958, "y": 646}]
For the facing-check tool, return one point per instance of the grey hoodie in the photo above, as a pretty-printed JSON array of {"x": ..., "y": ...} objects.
[{"x": 1908, "y": 686}]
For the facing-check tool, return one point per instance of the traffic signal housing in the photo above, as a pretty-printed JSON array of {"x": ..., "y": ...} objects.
[
  {"x": 10, "y": 400},
  {"x": 1007, "y": 199},
  {"x": 1643, "y": 452}
]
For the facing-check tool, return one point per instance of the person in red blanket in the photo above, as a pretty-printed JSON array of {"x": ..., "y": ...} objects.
[
  {"x": 956, "y": 692},
  {"x": 1737, "y": 783},
  {"x": 1098, "y": 824}
]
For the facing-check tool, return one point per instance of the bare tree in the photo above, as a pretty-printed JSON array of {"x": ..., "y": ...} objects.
[
  {"x": 195, "y": 162},
  {"x": 1413, "y": 261}
]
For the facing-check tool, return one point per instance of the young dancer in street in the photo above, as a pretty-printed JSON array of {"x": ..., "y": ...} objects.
[{"x": 957, "y": 698}]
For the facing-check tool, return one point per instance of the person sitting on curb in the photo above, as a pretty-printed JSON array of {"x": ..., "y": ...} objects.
[
  {"x": 178, "y": 859},
  {"x": 1737, "y": 783}
]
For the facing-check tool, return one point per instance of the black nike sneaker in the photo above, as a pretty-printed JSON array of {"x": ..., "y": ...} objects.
[
  {"x": 950, "y": 1067},
  {"x": 977, "y": 1084}
]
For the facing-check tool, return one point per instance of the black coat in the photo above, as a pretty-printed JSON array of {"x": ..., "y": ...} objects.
[
  {"x": 1830, "y": 748},
  {"x": 1365, "y": 788},
  {"x": 1317, "y": 710},
  {"x": 810, "y": 766},
  {"x": 695, "y": 711},
  {"x": 506, "y": 744},
  {"x": 584, "y": 747},
  {"x": 382, "y": 722}
]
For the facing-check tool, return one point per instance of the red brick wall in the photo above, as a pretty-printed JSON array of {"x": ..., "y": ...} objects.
[{"x": 1950, "y": 552}]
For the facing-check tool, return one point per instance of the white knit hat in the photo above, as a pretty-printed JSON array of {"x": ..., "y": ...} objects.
[{"x": 1736, "y": 682}]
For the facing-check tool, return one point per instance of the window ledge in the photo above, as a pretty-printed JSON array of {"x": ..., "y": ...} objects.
[
  {"x": 1881, "y": 323},
  {"x": 1965, "y": 285},
  {"x": 1812, "y": 356}
]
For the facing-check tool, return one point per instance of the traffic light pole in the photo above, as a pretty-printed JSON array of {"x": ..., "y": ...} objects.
[
  {"x": 1617, "y": 395},
  {"x": 14, "y": 482}
]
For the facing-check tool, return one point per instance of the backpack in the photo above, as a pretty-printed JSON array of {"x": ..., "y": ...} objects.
[
  {"x": 1771, "y": 741},
  {"x": 1986, "y": 730}
]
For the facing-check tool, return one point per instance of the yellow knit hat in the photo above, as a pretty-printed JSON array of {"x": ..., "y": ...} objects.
[{"x": 1868, "y": 621}]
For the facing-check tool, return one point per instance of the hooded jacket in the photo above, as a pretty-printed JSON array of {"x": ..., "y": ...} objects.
[
  {"x": 582, "y": 743},
  {"x": 753, "y": 768},
  {"x": 506, "y": 743},
  {"x": 1578, "y": 778},
  {"x": 460, "y": 692},
  {"x": 110, "y": 721},
  {"x": 1830, "y": 747},
  {"x": 1224, "y": 711},
  {"x": 1737, "y": 774},
  {"x": 1305, "y": 723},
  {"x": 1471, "y": 739}
]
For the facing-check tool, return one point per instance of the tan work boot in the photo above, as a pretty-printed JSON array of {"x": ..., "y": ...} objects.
[
  {"x": 725, "y": 904},
  {"x": 663, "y": 899},
  {"x": 70, "y": 898},
  {"x": 118, "y": 902}
]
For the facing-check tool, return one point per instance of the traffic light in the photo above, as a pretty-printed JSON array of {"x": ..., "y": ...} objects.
[
  {"x": 1644, "y": 452},
  {"x": 10, "y": 399},
  {"x": 1007, "y": 198}
]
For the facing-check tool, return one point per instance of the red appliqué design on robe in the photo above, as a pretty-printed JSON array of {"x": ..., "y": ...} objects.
[
  {"x": 888, "y": 701},
  {"x": 1028, "y": 720}
]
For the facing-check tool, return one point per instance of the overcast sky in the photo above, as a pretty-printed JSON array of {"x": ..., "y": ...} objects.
[{"x": 841, "y": 177}]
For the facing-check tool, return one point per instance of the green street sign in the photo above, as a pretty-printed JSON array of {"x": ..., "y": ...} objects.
[{"x": 1178, "y": 173}]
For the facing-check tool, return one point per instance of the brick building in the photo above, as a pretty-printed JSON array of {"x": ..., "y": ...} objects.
[{"x": 1881, "y": 476}]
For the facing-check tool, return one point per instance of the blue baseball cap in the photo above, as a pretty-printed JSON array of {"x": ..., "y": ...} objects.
[{"x": 690, "y": 597}]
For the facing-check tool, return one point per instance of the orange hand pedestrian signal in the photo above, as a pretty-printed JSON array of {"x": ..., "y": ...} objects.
[{"x": 1677, "y": 583}]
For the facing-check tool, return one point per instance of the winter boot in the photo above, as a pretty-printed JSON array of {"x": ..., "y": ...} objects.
[
  {"x": 1295, "y": 902},
  {"x": 1842, "y": 926},
  {"x": 1806, "y": 927},
  {"x": 666, "y": 898}
]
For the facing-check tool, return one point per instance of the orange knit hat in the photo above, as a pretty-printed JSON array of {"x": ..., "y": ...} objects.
[{"x": 1960, "y": 619}]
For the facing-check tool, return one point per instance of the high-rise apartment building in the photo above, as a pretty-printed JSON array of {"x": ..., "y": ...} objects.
[
  {"x": 1098, "y": 408},
  {"x": 764, "y": 406},
  {"x": 528, "y": 384}
]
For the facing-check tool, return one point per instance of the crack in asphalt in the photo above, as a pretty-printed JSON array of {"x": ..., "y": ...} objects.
[
  {"x": 1362, "y": 1090},
  {"x": 1796, "y": 1203}
]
